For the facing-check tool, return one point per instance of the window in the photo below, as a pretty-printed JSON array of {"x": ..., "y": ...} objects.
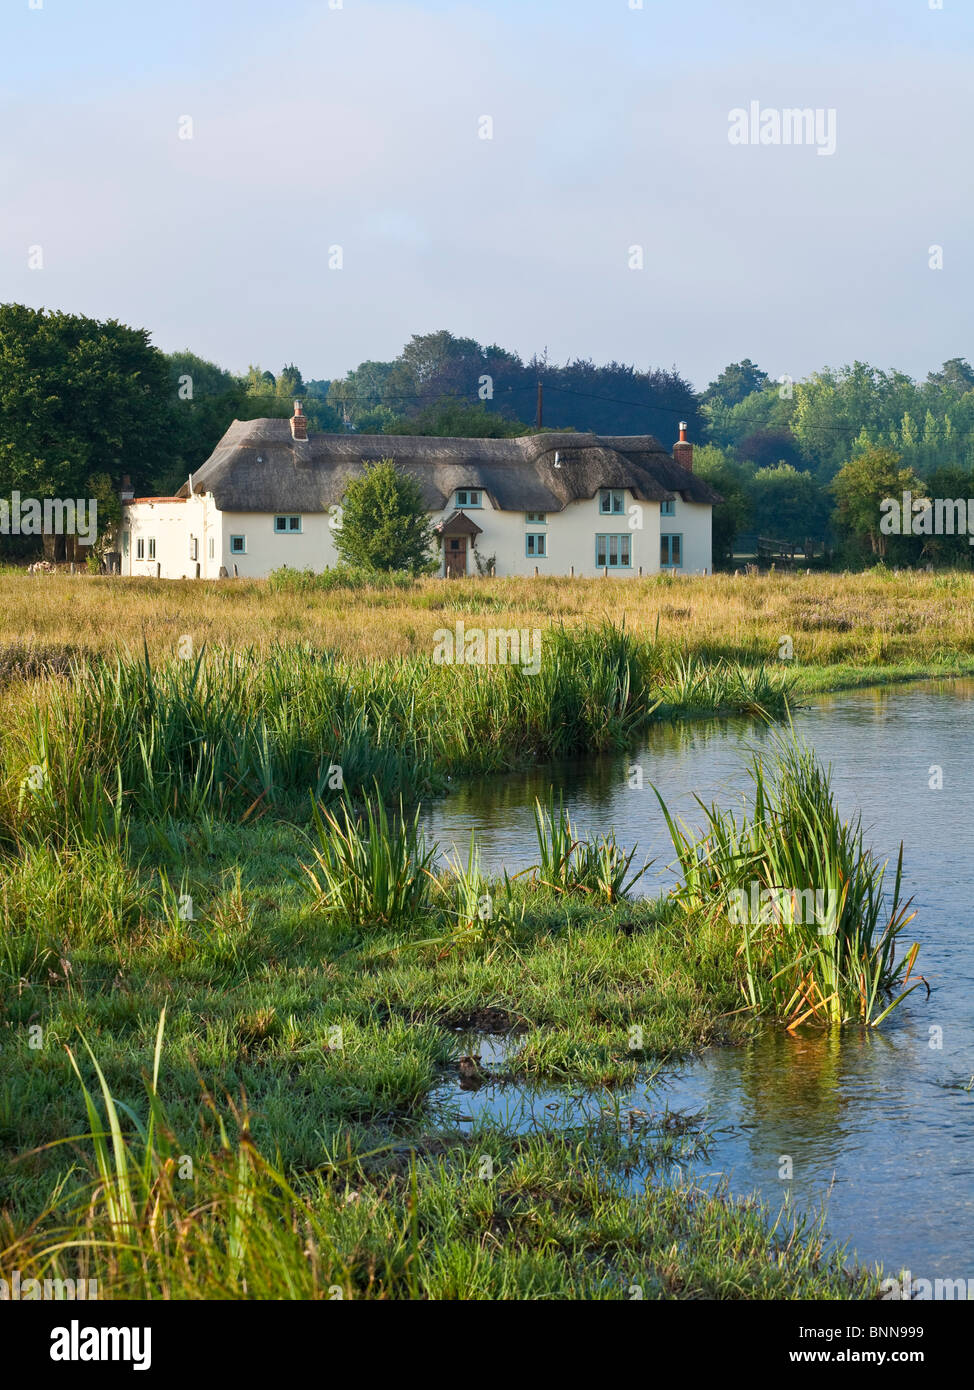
[
  {"x": 468, "y": 497},
  {"x": 613, "y": 552},
  {"x": 152, "y": 547},
  {"x": 140, "y": 548},
  {"x": 238, "y": 545},
  {"x": 612, "y": 503},
  {"x": 535, "y": 544},
  {"x": 670, "y": 552},
  {"x": 287, "y": 525},
  {"x": 125, "y": 542},
  {"x": 194, "y": 548},
  {"x": 667, "y": 508},
  {"x": 212, "y": 548},
  {"x": 536, "y": 518}
]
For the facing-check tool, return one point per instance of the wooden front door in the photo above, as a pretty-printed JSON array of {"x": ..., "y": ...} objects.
[{"x": 455, "y": 556}]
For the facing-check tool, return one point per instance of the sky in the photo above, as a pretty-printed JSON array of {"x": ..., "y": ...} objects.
[{"x": 337, "y": 194}]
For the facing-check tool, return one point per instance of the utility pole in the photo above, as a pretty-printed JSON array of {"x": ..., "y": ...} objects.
[{"x": 540, "y": 404}]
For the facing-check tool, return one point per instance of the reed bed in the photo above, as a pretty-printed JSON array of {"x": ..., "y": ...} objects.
[
  {"x": 818, "y": 933},
  {"x": 232, "y": 733}
]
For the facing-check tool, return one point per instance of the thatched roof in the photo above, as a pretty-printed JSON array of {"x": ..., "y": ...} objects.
[{"x": 258, "y": 467}]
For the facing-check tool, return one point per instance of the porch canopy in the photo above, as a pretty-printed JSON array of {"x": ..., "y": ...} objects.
[{"x": 458, "y": 524}]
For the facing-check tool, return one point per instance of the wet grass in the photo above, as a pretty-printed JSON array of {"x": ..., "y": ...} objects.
[{"x": 293, "y": 1149}]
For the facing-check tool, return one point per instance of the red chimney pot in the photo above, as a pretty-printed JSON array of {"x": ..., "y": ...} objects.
[{"x": 683, "y": 449}]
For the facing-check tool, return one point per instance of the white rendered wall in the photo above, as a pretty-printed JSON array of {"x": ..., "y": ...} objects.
[{"x": 570, "y": 536}]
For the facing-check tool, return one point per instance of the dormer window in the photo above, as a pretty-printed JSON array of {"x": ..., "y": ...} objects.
[
  {"x": 667, "y": 508},
  {"x": 612, "y": 502},
  {"x": 469, "y": 497}
]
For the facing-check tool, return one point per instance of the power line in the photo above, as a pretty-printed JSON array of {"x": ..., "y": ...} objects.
[{"x": 679, "y": 411}]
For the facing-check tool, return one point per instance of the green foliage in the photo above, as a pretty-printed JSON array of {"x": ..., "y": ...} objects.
[
  {"x": 372, "y": 870},
  {"x": 78, "y": 399},
  {"x": 385, "y": 525},
  {"x": 732, "y": 515},
  {"x": 230, "y": 733},
  {"x": 453, "y": 419},
  {"x": 788, "y": 505},
  {"x": 830, "y": 958},
  {"x": 862, "y": 484},
  {"x": 736, "y": 381},
  {"x": 571, "y": 863},
  {"x": 293, "y": 581}
]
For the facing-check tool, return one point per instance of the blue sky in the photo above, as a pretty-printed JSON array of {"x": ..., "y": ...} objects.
[{"x": 357, "y": 127}]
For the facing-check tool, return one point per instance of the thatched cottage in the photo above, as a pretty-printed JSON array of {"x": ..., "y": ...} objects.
[{"x": 270, "y": 495}]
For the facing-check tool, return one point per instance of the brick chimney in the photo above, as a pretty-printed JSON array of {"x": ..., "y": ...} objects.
[
  {"x": 126, "y": 493},
  {"x": 299, "y": 422},
  {"x": 683, "y": 449}
]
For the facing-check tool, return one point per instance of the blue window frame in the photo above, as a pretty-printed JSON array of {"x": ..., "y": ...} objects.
[
  {"x": 287, "y": 525},
  {"x": 667, "y": 508},
  {"x": 469, "y": 497},
  {"x": 238, "y": 545},
  {"x": 614, "y": 552},
  {"x": 612, "y": 501},
  {"x": 536, "y": 518},
  {"x": 671, "y": 552},
  {"x": 536, "y": 545}
]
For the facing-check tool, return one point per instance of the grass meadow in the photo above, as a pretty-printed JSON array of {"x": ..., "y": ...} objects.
[{"x": 232, "y": 991}]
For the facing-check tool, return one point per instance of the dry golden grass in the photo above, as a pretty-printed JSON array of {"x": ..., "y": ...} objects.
[{"x": 858, "y": 620}]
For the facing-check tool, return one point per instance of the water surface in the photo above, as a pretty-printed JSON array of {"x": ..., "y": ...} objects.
[{"x": 876, "y": 1124}]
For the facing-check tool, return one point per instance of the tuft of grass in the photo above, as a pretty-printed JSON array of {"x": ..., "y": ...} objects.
[
  {"x": 570, "y": 863},
  {"x": 822, "y": 945},
  {"x": 372, "y": 869}
]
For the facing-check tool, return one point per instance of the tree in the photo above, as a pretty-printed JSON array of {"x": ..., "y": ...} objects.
[
  {"x": 736, "y": 382},
  {"x": 730, "y": 516},
  {"x": 788, "y": 505},
  {"x": 766, "y": 447},
  {"x": 453, "y": 419},
  {"x": 956, "y": 375},
  {"x": 78, "y": 398},
  {"x": 290, "y": 383},
  {"x": 865, "y": 482},
  {"x": 384, "y": 522}
]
